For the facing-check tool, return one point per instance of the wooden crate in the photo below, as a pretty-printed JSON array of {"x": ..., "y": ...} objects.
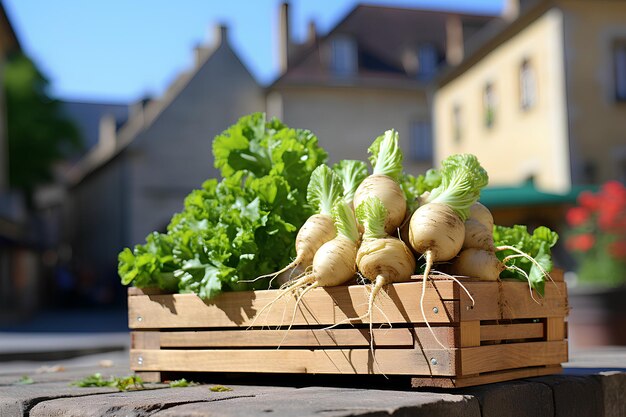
[{"x": 504, "y": 335}]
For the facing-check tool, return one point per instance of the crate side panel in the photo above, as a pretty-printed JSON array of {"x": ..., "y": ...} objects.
[
  {"x": 335, "y": 361},
  {"x": 512, "y": 300},
  {"x": 476, "y": 360},
  {"x": 283, "y": 338},
  {"x": 318, "y": 307}
]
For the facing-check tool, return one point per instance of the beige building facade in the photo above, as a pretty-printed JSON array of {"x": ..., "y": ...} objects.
[{"x": 540, "y": 101}]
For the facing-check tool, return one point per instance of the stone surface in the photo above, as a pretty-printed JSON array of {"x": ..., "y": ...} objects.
[
  {"x": 335, "y": 402},
  {"x": 513, "y": 399},
  {"x": 613, "y": 393},
  {"x": 18, "y": 400},
  {"x": 146, "y": 402},
  {"x": 575, "y": 396}
]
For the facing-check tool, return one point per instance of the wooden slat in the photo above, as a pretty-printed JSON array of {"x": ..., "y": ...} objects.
[
  {"x": 489, "y": 378},
  {"x": 333, "y": 361},
  {"x": 145, "y": 340},
  {"x": 470, "y": 333},
  {"x": 476, "y": 360},
  {"x": 295, "y": 337},
  {"x": 512, "y": 301},
  {"x": 555, "y": 328},
  {"x": 511, "y": 331},
  {"x": 323, "y": 306}
]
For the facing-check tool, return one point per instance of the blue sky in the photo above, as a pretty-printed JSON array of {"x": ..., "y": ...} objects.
[{"x": 121, "y": 50}]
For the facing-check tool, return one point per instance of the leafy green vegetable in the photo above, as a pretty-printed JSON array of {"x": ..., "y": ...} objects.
[
  {"x": 386, "y": 155},
  {"x": 324, "y": 190},
  {"x": 372, "y": 214},
  {"x": 239, "y": 227},
  {"x": 122, "y": 384},
  {"x": 538, "y": 246},
  {"x": 415, "y": 187},
  {"x": 220, "y": 388},
  {"x": 345, "y": 221},
  {"x": 462, "y": 178},
  {"x": 182, "y": 383},
  {"x": 352, "y": 173}
]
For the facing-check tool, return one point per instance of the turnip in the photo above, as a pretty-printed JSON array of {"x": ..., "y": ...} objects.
[
  {"x": 352, "y": 173},
  {"x": 386, "y": 160},
  {"x": 334, "y": 262},
  {"x": 478, "y": 236},
  {"x": 436, "y": 229},
  {"x": 323, "y": 191},
  {"x": 480, "y": 263},
  {"x": 381, "y": 258},
  {"x": 481, "y": 214}
]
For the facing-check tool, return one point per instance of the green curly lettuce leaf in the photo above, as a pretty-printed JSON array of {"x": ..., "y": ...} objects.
[
  {"x": 536, "y": 245},
  {"x": 237, "y": 228}
]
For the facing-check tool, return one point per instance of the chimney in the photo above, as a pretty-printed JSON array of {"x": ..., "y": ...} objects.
[
  {"x": 284, "y": 37},
  {"x": 454, "y": 40},
  {"x": 510, "y": 10},
  {"x": 137, "y": 110},
  {"x": 220, "y": 34},
  {"x": 311, "y": 36},
  {"x": 107, "y": 132}
]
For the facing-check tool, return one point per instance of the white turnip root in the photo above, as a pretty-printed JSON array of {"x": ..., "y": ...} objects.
[
  {"x": 386, "y": 160},
  {"x": 437, "y": 228},
  {"x": 389, "y": 192},
  {"x": 481, "y": 214},
  {"x": 324, "y": 190},
  {"x": 478, "y": 236},
  {"x": 477, "y": 263},
  {"x": 381, "y": 258},
  {"x": 334, "y": 262}
]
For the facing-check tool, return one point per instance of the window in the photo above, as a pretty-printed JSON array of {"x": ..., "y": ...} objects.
[
  {"x": 619, "y": 58},
  {"x": 343, "y": 55},
  {"x": 427, "y": 60},
  {"x": 527, "y": 85},
  {"x": 421, "y": 146},
  {"x": 456, "y": 123},
  {"x": 489, "y": 104}
]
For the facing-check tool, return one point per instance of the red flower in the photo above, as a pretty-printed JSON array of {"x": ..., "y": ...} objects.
[
  {"x": 581, "y": 242},
  {"x": 615, "y": 190},
  {"x": 618, "y": 250},
  {"x": 589, "y": 200},
  {"x": 577, "y": 216}
]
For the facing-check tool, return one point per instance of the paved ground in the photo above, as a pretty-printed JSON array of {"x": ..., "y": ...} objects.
[
  {"x": 44, "y": 353},
  {"x": 581, "y": 391}
]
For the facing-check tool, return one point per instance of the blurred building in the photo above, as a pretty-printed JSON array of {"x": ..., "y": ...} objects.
[
  {"x": 373, "y": 71},
  {"x": 542, "y": 98},
  {"x": 18, "y": 261},
  {"x": 137, "y": 174}
]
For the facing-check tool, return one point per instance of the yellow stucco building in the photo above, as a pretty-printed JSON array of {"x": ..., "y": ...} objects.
[{"x": 543, "y": 99}]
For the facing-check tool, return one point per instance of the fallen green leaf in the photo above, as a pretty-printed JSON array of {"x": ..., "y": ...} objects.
[
  {"x": 220, "y": 388},
  {"x": 182, "y": 383},
  {"x": 121, "y": 383},
  {"x": 24, "y": 380}
]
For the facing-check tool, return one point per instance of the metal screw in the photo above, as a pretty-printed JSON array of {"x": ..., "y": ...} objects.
[
  {"x": 140, "y": 360},
  {"x": 139, "y": 318},
  {"x": 433, "y": 361},
  {"x": 435, "y": 310}
]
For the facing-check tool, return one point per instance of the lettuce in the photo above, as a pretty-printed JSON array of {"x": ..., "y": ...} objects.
[
  {"x": 537, "y": 245},
  {"x": 240, "y": 227}
]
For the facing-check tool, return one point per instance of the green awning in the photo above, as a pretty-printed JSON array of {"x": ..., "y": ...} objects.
[{"x": 527, "y": 195}]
